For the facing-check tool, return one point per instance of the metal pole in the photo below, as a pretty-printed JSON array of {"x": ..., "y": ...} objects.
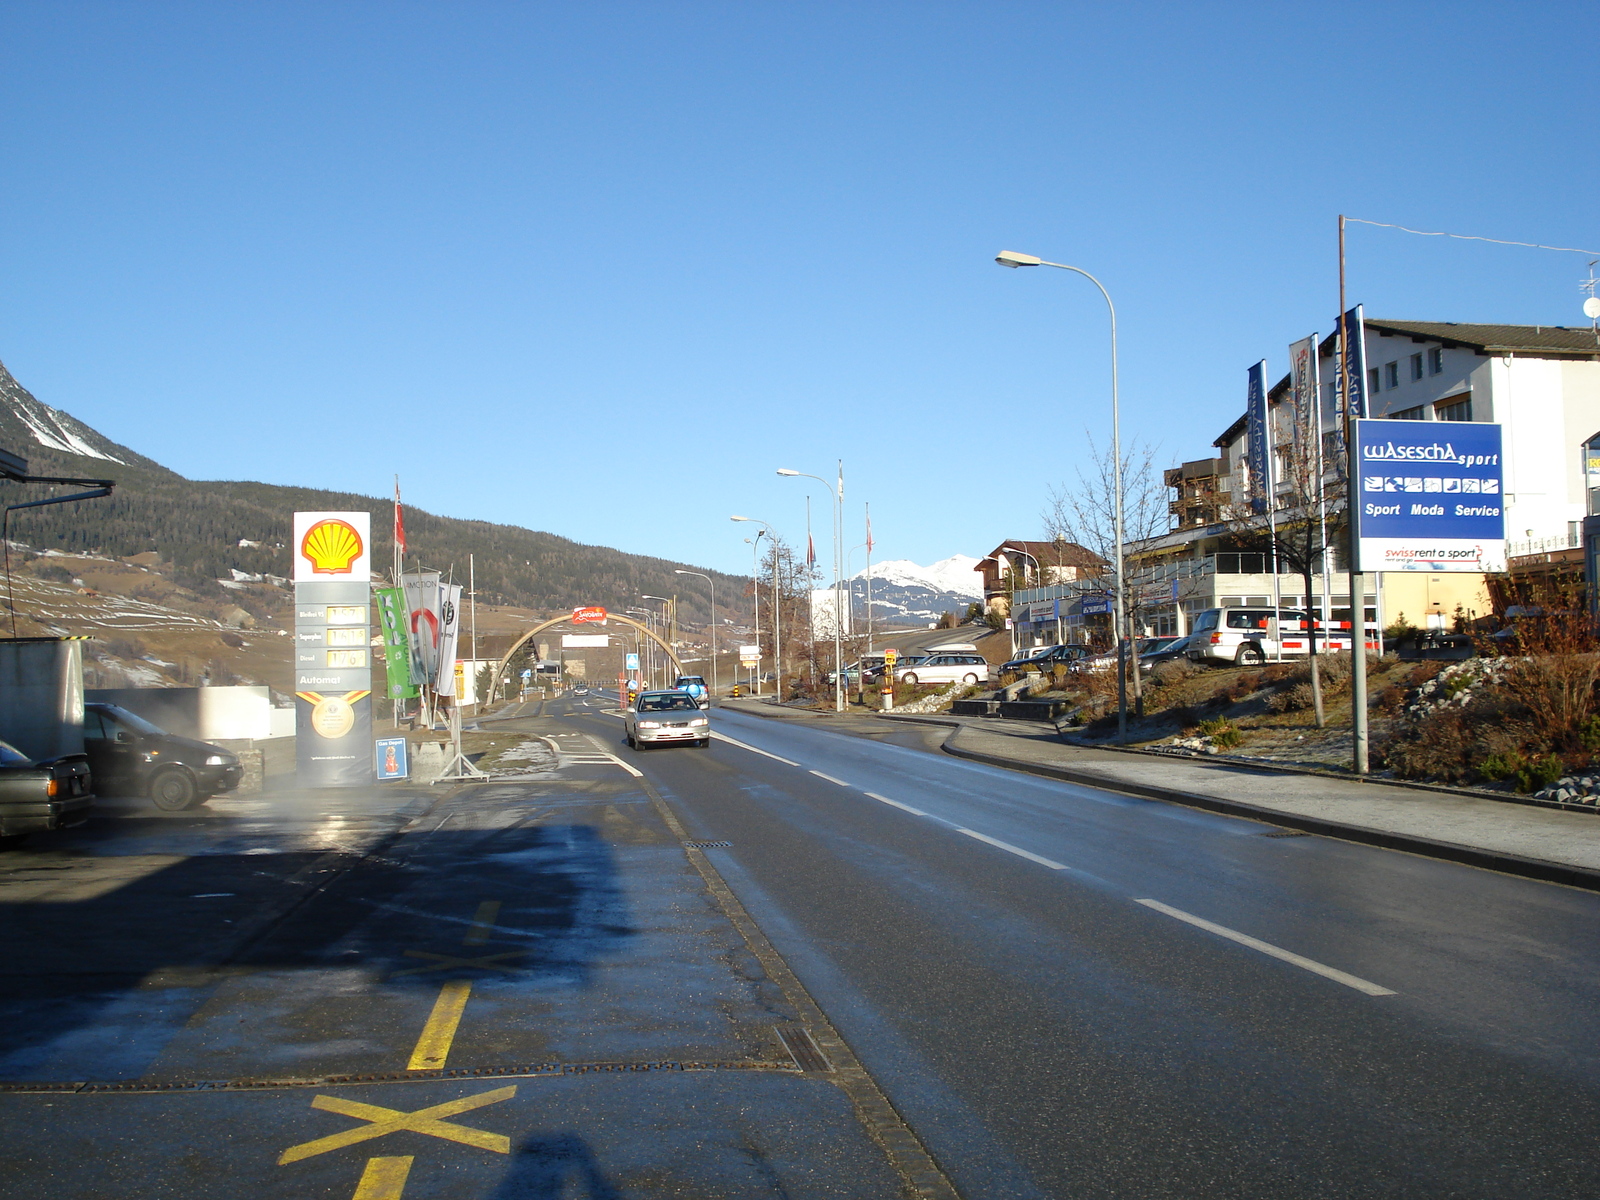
[
  {"x": 838, "y": 607},
  {"x": 861, "y": 690},
  {"x": 713, "y": 584},
  {"x": 1358, "y": 608},
  {"x": 755, "y": 587},
  {"x": 472, "y": 601}
]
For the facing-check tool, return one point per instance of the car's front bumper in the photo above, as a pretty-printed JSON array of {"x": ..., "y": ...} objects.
[
  {"x": 681, "y": 733},
  {"x": 218, "y": 779}
]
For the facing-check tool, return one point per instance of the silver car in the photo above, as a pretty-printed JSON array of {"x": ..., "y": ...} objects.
[{"x": 666, "y": 717}]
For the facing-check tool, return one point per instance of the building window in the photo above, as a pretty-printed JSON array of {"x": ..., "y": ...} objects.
[
  {"x": 1413, "y": 414},
  {"x": 1391, "y": 373},
  {"x": 1372, "y": 381},
  {"x": 1416, "y": 366},
  {"x": 1453, "y": 409},
  {"x": 1436, "y": 361}
]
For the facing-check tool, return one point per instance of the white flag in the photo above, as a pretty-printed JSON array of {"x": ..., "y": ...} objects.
[{"x": 449, "y": 629}]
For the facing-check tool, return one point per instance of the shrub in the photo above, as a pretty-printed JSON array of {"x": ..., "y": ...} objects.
[
  {"x": 1291, "y": 699},
  {"x": 1539, "y": 772},
  {"x": 1558, "y": 690},
  {"x": 54, "y": 572},
  {"x": 1224, "y": 734},
  {"x": 1173, "y": 671}
]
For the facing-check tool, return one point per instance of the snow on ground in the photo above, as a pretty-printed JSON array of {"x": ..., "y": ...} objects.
[{"x": 955, "y": 574}]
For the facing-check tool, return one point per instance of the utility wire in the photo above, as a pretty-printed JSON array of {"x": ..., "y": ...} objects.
[{"x": 1467, "y": 237}]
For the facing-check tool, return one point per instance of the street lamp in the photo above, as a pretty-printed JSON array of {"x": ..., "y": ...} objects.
[
  {"x": 1010, "y": 258},
  {"x": 777, "y": 614},
  {"x": 713, "y": 583},
  {"x": 666, "y": 626},
  {"x": 838, "y": 569},
  {"x": 755, "y": 588}
]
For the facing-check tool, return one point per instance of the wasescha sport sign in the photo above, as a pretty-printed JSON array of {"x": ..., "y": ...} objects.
[{"x": 1428, "y": 496}]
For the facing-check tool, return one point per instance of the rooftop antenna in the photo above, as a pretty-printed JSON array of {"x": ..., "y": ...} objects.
[{"x": 1591, "y": 306}]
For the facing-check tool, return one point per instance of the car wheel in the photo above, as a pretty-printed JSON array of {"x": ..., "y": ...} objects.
[
  {"x": 969, "y": 678},
  {"x": 704, "y": 743},
  {"x": 632, "y": 745},
  {"x": 1249, "y": 656},
  {"x": 174, "y": 790},
  {"x": 909, "y": 679}
]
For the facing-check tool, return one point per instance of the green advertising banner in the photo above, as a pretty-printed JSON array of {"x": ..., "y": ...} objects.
[{"x": 397, "y": 646}]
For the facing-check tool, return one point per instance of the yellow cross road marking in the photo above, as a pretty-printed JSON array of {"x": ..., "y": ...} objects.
[
  {"x": 482, "y": 923},
  {"x": 443, "y": 962},
  {"x": 384, "y": 1179},
  {"x": 384, "y": 1121},
  {"x": 433, "y": 1047}
]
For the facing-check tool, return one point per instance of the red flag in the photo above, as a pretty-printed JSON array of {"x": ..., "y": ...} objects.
[
  {"x": 869, "y": 535},
  {"x": 811, "y": 552},
  {"x": 399, "y": 525}
]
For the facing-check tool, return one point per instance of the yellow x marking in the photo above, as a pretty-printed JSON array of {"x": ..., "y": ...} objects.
[
  {"x": 384, "y": 1121},
  {"x": 443, "y": 962}
]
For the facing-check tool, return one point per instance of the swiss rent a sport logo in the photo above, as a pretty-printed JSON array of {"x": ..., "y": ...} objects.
[{"x": 1429, "y": 500}]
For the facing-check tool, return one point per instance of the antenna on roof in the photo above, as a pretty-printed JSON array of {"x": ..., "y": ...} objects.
[{"x": 1591, "y": 306}]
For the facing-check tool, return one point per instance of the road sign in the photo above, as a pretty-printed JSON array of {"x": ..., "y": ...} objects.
[
  {"x": 632, "y": 663},
  {"x": 527, "y": 672}
]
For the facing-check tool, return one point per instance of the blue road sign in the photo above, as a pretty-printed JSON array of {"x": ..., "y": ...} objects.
[
  {"x": 633, "y": 663},
  {"x": 1428, "y": 496}
]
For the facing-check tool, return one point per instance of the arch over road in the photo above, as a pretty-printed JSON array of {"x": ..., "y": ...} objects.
[{"x": 499, "y": 671}]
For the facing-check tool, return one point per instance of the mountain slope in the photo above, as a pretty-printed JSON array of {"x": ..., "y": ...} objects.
[{"x": 198, "y": 525}]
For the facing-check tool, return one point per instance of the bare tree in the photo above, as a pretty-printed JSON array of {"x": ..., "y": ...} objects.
[{"x": 1085, "y": 512}]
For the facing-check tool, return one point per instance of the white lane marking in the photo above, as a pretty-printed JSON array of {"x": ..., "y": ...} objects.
[
  {"x": 1244, "y": 939},
  {"x": 722, "y": 737},
  {"x": 1017, "y": 850},
  {"x": 610, "y": 757},
  {"x": 916, "y": 812},
  {"x": 830, "y": 779}
]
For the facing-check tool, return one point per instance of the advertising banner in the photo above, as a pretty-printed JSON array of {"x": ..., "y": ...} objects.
[
  {"x": 332, "y": 649},
  {"x": 391, "y": 758},
  {"x": 449, "y": 632},
  {"x": 392, "y": 619},
  {"x": 1258, "y": 428},
  {"x": 1429, "y": 496},
  {"x": 1355, "y": 337},
  {"x": 585, "y": 641},
  {"x": 1303, "y": 385},
  {"x": 590, "y": 615},
  {"x": 422, "y": 612}
]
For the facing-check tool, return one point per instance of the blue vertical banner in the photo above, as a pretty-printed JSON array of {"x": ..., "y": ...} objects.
[
  {"x": 1355, "y": 338},
  {"x": 1258, "y": 433},
  {"x": 1428, "y": 496}
]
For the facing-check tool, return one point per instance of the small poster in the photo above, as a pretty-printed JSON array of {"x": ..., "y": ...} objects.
[{"x": 391, "y": 762}]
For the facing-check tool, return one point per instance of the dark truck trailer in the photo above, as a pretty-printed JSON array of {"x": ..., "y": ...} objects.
[{"x": 46, "y": 784}]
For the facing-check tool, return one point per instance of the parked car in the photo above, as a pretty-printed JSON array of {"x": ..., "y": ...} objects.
[
  {"x": 129, "y": 755},
  {"x": 673, "y": 716},
  {"x": 1245, "y": 636},
  {"x": 1164, "y": 650},
  {"x": 1138, "y": 651},
  {"x": 695, "y": 685},
  {"x": 36, "y": 796},
  {"x": 945, "y": 668},
  {"x": 1045, "y": 659}
]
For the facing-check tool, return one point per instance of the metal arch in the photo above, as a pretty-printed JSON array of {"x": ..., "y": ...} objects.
[{"x": 505, "y": 662}]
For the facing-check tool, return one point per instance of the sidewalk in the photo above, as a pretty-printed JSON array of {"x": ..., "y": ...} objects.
[{"x": 1536, "y": 843}]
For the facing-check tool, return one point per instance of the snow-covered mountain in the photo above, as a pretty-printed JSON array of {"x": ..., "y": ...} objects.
[
  {"x": 957, "y": 575},
  {"x": 906, "y": 593}
]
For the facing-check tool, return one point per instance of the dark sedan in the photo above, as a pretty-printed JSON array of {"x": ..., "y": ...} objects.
[
  {"x": 1046, "y": 659},
  {"x": 131, "y": 756},
  {"x": 36, "y": 796}
]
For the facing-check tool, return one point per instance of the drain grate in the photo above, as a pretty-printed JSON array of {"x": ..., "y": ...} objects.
[
  {"x": 806, "y": 1053},
  {"x": 708, "y": 845},
  {"x": 1280, "y": 833}
]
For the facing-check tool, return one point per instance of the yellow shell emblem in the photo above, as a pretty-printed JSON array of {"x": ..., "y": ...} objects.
[
  {"x": 333, "y": 717},
  {"x": 331, "y": 546}
]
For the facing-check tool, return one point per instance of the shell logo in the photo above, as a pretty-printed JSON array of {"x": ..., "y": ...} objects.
[{"x": 331, "y": 546}]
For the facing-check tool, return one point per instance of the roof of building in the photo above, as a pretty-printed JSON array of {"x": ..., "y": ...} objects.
[
  {"x": 1538, "y": 340},
  {"x": 1050, "y": 554}
]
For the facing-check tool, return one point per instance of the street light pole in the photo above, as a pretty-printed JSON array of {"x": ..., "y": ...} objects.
[
  {"x": 777, "y": 617},
  {"x": 713, "y": 583},
  {"x": 1010, "y": 258},
  {"x": 838, "y": 569},
  {"x": 666, "y": 628},
  {"x": 755, "y": 588}
]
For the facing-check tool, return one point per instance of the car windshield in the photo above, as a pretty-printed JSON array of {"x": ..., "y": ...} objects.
[
  {"x": 10, "y": 756},
  {"x": 1150, "y": 645},
  {"x": 131, "y": 721},
  {"x": 666, "y": 703}
]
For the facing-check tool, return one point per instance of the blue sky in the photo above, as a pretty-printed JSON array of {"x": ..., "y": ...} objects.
[{"x": 601, "y": 268}]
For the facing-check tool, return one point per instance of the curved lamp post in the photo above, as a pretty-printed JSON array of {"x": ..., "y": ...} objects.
[
  {"x": 1010, "y": 258},
  {"x": 777, "y": 614},
  {"x": 713, "y": 583},
  {"x": 838, "y": 568}
]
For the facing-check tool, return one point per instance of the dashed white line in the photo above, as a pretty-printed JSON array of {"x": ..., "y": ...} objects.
[
  {"x": 722, "y": 737},
  {"x": 1288, "y": 956},
  {"x": 1017, "y": 850},
  {"x": 916, "y": 812},
  {"x": 610, "y": 757},
  {"x": 830, "y": 779}
]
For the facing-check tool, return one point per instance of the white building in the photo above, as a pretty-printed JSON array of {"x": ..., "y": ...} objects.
[{"x": 1541, "y": 384}]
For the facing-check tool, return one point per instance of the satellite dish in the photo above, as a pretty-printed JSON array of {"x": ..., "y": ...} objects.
[{"x": 1591, "y": 308}]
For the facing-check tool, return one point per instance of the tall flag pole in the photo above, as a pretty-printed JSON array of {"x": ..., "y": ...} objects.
[{"x": 399, "y": 534}]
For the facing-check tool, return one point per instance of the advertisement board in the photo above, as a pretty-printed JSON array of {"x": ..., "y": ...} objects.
[
  {"x": 391, "y": 758},
  {"x": 585, "y": 641},
  {"x": 1428, "y": 496},
  {"x": 1258, "y": 439},
  {"x": 332, "y": 649}
]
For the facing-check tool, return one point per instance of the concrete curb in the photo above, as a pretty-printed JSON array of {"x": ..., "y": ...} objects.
[{"x": 1472, "y": 856}]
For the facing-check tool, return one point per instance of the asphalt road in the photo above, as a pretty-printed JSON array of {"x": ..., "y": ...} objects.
[
  {"x": 531, "y": 988},
  {"x": 1073, "y": 993}
]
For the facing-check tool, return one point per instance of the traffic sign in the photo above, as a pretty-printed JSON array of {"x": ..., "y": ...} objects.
[{"x": 632, "y": 663}]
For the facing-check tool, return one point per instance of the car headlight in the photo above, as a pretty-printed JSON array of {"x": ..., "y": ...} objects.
[
  {"x": 649, "y": 724},
  {"x": 220, "y": 760},
  {"x": 699, "y": 721}
]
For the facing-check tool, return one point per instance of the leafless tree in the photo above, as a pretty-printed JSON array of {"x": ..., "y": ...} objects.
[{"x": 1084, "y": 512}]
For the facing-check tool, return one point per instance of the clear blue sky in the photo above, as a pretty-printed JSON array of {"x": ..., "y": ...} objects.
[{"x": 600, "y": 268}]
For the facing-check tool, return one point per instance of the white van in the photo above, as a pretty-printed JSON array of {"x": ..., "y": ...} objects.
[{"x": 1246, "y": 636}]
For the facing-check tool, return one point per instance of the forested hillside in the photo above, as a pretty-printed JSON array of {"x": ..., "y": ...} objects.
[{"x": 197, "y": 526}]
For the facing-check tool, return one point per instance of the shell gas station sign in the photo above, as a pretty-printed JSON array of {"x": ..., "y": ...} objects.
[{"x": 332, "y": 648}]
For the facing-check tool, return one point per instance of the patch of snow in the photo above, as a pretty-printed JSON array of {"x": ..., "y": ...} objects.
[
  {"x": 243, "y": 576},
  {"x": 55, "y": 430},
  {"x": 955, "y": 574}
]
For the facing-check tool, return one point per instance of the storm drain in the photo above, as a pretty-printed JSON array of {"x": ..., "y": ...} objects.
[
  {"x": 1286, "y": 833},
  {"x": 708, "y": 845},
  {"x": 806, "y": 1053}
]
